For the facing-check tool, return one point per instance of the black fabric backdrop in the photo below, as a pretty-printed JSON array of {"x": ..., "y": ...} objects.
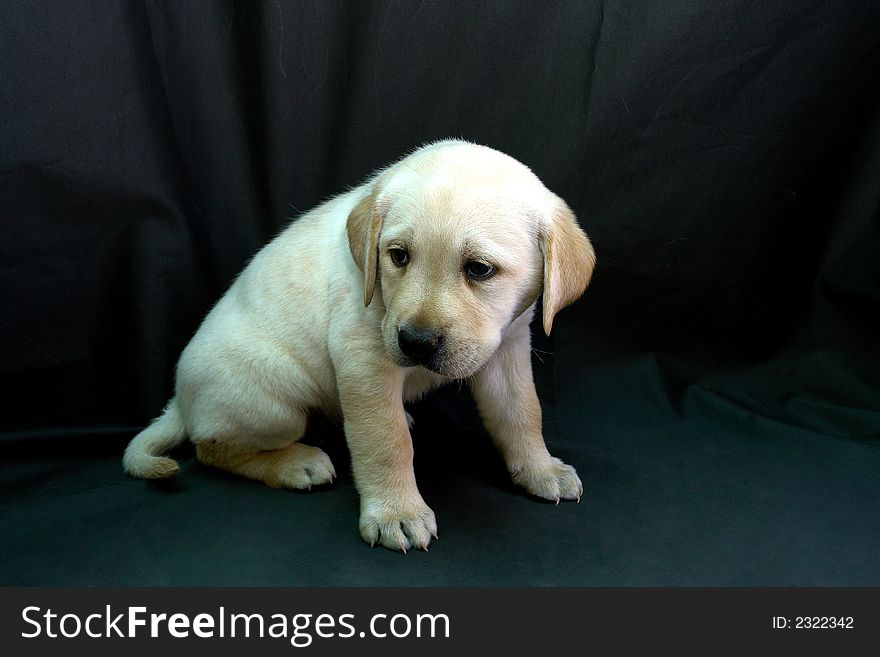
[{"x": 718, "y": 387}]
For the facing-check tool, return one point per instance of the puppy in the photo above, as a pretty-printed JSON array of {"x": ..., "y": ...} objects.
[{"x": 427, "y": 273}]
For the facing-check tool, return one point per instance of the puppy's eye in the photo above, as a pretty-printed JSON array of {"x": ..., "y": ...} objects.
[
  {"x": 479, "y": 271},
  {"x": 399, "y": 256}
]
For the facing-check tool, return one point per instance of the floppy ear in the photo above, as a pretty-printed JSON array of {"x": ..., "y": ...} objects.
[
  {"x": 569, "y": 260},
  {"x": 363, "y": 227}
]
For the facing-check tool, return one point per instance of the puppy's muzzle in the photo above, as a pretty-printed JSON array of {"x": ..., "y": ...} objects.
[{"x": 420, "y": 345}]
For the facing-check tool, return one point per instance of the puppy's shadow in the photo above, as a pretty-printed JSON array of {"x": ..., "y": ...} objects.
[
  {"x": 167, "y": 486},
  {"x": 451, "y": 444}
]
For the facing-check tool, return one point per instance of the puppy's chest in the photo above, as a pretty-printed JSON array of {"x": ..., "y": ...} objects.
[{"x": 419, "y": 382}]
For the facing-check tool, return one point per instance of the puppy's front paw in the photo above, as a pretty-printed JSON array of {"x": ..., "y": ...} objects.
[
  {"x": 398, "y": 524},
  {"x": 553, "y": 480}
]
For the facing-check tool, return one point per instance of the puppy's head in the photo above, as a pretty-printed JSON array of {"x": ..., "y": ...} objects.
[{"x": 461, "y": 239}]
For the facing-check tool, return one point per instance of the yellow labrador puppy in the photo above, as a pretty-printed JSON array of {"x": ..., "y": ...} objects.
[{"x": 426, "y": 273}]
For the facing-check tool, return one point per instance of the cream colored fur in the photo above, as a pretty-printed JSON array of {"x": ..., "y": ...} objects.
[{"x": 312, "y": 324}]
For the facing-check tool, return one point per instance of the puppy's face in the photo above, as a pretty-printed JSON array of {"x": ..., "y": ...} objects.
[
  {"x": 457, "y": 264},
  {"x": 459, "y": 237}
]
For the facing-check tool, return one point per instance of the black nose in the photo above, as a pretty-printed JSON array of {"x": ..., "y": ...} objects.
[{"x": 419, "y": 344}]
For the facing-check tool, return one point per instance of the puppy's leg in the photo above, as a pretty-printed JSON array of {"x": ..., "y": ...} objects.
[
  {"x": 504, "y": 391},
  {"x": 393, "y": 513},
  {"x": 278, "y": 462}
]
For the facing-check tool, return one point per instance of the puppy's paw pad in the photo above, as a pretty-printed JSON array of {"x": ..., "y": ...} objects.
[
  {"x": 553, "y": 481},
  {"x": 301, "y": 467},
  {"x": 398, "y": 524}
]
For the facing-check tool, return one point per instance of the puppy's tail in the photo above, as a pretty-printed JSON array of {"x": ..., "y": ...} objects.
[{"x": 142, "y": 458}]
